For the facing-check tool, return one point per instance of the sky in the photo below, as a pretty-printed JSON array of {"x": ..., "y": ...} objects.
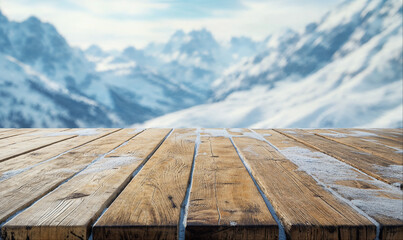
[{"x": 116, "y": 24}]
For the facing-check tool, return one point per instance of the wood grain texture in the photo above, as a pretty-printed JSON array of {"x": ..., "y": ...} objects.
[
  {"x": 370, "y": 144},
  {"x": 20, "y": 191},
  {"x": 306, "y": 210},
  {"x": 20, "y": 148},
  {"x": 16, "y": 132},
  {"x": 24, "y": 162},
  {"x": 353, "y": 185},
  {"x": 70, "y": 210},
  {"x": 149, "y": 207},
  {"x": 377, "y": 167},
  {"x": 74, "y": 179},
  {"x": 28, "y": 136},
  {"x": 224, "y": 201},
  {"x": 372, "y": 137},
  {"x": 391, "y": 133},
  {"x": 237, "y": 131}
]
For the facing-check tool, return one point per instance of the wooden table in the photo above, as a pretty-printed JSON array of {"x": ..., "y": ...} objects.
[{"x": 201, "y": 183}]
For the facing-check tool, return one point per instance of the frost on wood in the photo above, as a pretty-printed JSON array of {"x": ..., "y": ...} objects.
[
  {"x": 81, "y": 132},
  {"x": 374, "y": 197}
]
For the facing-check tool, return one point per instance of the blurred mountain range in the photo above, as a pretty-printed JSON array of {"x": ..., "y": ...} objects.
[{"x": 343, "y": 71}]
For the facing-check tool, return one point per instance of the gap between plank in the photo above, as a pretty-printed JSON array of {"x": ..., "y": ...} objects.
[
  {"x": 17, "y": 134},
  {"x": 137, "y": 170},
  {"x": 185, "y": 204},
  {"x": 337, "y": 195},
  {"x": 281, "y": 232},
  {"x": 68, "y": 179},
  {"x": 335, "y": 157},
  {"x": 34, "y": 149},
  {"x": 12, "y": 173},
  {"x": 356, "y": 169},
  {"x": 349, "y": 145}
]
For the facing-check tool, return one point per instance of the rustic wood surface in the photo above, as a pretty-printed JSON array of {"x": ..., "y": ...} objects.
[
  {"x": 26, "y": 161},
  {"x": 201, "y": 183},
  {"x": 77, "y": 203},
  {"x": 378, "y": 167},
  {"x": 392, "y": 134},
  {"x": 374, "y": 145},
  {"x": 366, "y": 188},
  {"x": 20, "y": 148},
  {"x": 21, "y": 190},
  {"x": 151, "y": 202},
  {"x": 224, "y": 199},
  {"x": 15, "y": 132},
  {"x": 306, "y": 209},
  {"x": 28, "y": 136}
]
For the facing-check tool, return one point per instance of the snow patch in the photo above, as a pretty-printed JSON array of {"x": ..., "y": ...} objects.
[
  {"x": 110, "y": 163},
  {"x": 380, "y": 200},
  {"x": 82, "y": 132},
  {"x": 391, "y": 171},
  {"x": 362, "y": 134},
  {"x": 137, "y": 130},
  {"x": 334, "y": 134}
]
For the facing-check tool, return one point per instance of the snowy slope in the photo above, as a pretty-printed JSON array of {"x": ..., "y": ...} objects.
[
  {"x": 40, "y": 46},
  {"x": 344, "y": 71},
  {"x": 133, "y": 85},
  {"x": 298, "y": 54},
  {"x": 41, "y": 77},
  {"x": 30, "y": 99},
  {"x": 144, "y": 83}
]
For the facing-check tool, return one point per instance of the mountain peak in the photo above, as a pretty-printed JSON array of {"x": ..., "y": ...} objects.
[
  {"x": 178, "y": 34},
  {"x": 94, "y": 50},
  {"x": 33, "y": 20},
  {"x": 132, "y": 52},
  {"x": 240, "y": 40},
  {"x": 202, "y": 34}
]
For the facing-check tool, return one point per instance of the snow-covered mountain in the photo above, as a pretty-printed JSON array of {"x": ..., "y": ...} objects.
[
  {"x": 192, "y": 61},
  {"x": 40, "y": 46},
  {"x": 30, "y": 99},
  {"x": 143, "y": 83},
  {"x": 342, "y": 71},
  {"x": 36, "y": 65},
  {"x": 42, "y": 77}
]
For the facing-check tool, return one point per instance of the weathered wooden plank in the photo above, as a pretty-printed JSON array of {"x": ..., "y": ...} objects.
[
  {"x": 394, "y": 134},
  {"x": 149, "y": 207},
  {"x": 69, "y": 211},
  {"x": 372, "y": 165},
  {"x": 5, "y": 129},
  {"x": 376, "y": 198},
  {"x": 16, "y": 132},
  {"x": 24, "y": 162},
  {"x": 4, "y": 143},
  {"x": 306, "y": 210},
  {"x": 369, "y": 145},
  {"x": 20, "y": 148},
  {"x": 224, "y": 201},
  {"x": 22, "y": 190},
  {"x": 235, "y": 131},
  {"x": 371, "y": 137}
]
